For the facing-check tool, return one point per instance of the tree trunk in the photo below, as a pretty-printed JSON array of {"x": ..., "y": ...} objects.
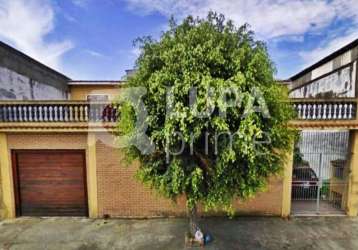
[{"x": 193, "y": 220}]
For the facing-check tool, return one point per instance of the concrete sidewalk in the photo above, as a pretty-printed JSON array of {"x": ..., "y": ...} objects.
[{"x": 240, "y": 233}]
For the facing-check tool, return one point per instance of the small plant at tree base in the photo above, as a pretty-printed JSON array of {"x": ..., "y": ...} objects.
[{"x": 194, "y": 154}]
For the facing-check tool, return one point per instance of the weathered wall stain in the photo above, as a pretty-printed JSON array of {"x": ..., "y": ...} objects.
[
  {"x": 338, "y": 84},
  {"x": 19, "y": 87},
  {"x": 6, "y": 94}
]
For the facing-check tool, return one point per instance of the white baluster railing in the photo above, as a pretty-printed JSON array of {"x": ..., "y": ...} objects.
[
  {"x": 325, "y": 109},
  {"x": 26, "y": 111}
]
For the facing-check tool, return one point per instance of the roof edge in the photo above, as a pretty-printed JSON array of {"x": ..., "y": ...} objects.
[
  {"x": 95, "y": 82},
  {"x": 32, "y": 60},
  {"x": 325, "y": 59}
]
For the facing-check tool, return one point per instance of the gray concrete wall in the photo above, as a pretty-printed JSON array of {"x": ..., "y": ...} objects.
[
  {"x": 14, "y": 86},
  {"x": 341, "y": 83},
  {"x": 22, "y": 78}
]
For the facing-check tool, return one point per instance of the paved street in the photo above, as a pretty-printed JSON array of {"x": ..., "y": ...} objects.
[{"x": 240, "y": 233}]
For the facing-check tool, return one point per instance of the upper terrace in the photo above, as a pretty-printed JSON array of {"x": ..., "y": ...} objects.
[
  {"x": 84, "y": 115},
  {"x": 324, "y": 96}
]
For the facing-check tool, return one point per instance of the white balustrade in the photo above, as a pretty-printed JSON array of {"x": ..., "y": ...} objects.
[
  {"x": 325, "y": 110},
  {"x": 63, "y": 112}
]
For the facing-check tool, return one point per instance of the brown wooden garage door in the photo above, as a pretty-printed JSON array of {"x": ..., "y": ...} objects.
[{"x": 50, "y": 182}]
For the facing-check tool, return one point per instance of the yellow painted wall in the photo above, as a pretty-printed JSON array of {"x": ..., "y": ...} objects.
[
  {"x": 92, "y": 175},
  {"x": 7, "y": 206},
  {"x": 352, "y": 198},
  {"x": 80, "y": 92},
  {"x": 287, "y": 185},
  {"x": 2, "y": 208}
]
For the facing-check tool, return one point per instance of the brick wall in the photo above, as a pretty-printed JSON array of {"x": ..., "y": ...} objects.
[
  {"x": 264, "y": 203},
  {"x": 121, "y": 195}
]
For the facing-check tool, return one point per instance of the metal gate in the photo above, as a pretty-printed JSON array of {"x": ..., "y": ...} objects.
[{"x": 320, "y": 173}]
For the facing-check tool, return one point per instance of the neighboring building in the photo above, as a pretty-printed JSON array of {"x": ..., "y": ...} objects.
[
  {"x": 59, "y": 157},
  {"x": 333, "y": 76},
  {"x": 23, "y": 78}
]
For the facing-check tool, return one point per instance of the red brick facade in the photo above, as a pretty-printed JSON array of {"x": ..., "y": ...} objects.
[{"x": 121, "y": 195}]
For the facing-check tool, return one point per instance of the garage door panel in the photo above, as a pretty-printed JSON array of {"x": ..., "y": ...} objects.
[
  {"x": 41, "y": 166},
  {"x": 51, "y": 183},
  {"x": 33, "y": 198},
  {"x": 50, "y": 202},
  {"x": 46, "y": 164},
  {"x": 46, "y": 175},
  {"x": 57, "y": 183},
  {"x": 49, "y": 164},
  {"x": 54, "y": 211},
  {"x": 67, "y": 193},
  {"x": 29, "y": 158}
]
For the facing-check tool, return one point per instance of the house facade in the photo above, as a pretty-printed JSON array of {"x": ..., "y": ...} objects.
[{"x": 58, "y": 155}]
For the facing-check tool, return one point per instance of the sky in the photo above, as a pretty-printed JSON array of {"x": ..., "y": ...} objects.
[{"x": 93, "y": 39}]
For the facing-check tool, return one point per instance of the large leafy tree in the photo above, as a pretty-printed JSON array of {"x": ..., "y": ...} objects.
[{"x": 232, "y": 77}]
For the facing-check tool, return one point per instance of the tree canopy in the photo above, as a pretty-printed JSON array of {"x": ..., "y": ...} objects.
[{"x": 214, "y": 113}]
